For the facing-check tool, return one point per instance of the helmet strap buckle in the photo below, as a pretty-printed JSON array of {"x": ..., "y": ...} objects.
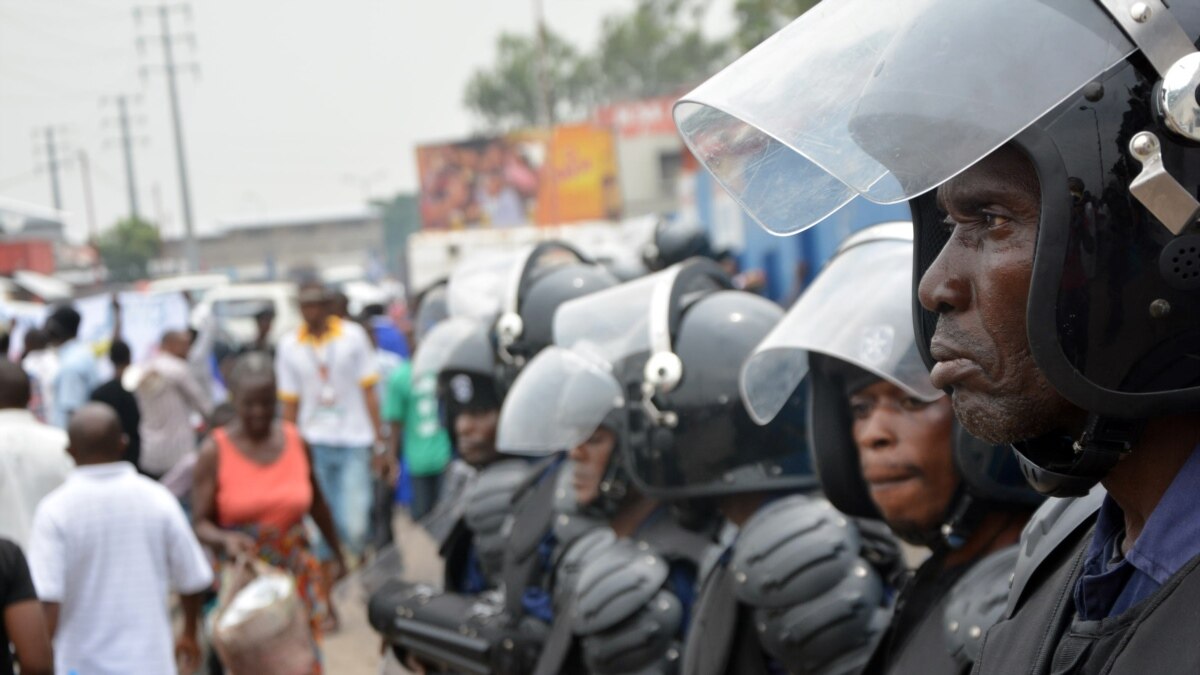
[{"x": 1157, "y": 189}]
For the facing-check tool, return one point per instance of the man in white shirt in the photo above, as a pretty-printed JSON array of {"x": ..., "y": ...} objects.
[
  {"x": 33, "y": 456},
  {"x": 167, "y": 395},
  {"x": 106, "y": 549},
  {"x": 327, "y": 373}
]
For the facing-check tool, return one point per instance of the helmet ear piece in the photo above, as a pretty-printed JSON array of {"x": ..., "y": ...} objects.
[{"x": 663, "y": 371}]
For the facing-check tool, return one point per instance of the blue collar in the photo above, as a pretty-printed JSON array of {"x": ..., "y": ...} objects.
[{"x": 1171, "y": 536}]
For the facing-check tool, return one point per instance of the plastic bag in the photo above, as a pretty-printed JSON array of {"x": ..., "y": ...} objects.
[{"x": 262, "y": 626}]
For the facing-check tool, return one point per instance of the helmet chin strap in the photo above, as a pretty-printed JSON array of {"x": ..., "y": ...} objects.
[
  {"x": 614, "y": 488},
  {"x": 964, "y": 515},
  {"x": 1059, "y": 466}
]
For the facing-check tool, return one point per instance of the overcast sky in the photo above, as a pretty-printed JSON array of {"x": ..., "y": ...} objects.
[{"x": 298, "y": 103}]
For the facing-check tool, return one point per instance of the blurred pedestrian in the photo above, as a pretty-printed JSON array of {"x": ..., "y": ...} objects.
[
  {"x": 41, "y": 363},
  {"x": 22, "y": 623},
  {"x": 33, "y": 456},
  {"x": 388, "y": 336},
  {"x": 411, "y": 409},
  {"x": 168, "y": 395},
  {"x": 77, "y": 374},
  {"x": 254, "y": 483},
  {"x": 327, "y": 374},
  {"x": 106, "y": 549},
  {"x": 121, "y": 400}
]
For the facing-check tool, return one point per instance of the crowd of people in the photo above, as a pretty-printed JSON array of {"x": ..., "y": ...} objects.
[
  {"x": 119, "y": 492},
  {"x": 969, "y": 445}
]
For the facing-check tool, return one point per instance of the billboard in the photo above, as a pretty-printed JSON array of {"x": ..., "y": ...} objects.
[{"x": 527, "y": 177}]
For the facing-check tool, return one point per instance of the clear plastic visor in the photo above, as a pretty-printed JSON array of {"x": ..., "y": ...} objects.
[
  {"x": 556, "y": 403},
  {"x": 443, "y": 340},
  {"x": 611, "y": 324},
  {"x": 858, "y": 310},
  {"x": 479, "y": 286},
  {"x": 887, "y": 99}
]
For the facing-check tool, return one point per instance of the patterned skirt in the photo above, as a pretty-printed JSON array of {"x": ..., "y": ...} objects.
[{"x": 290, "y": 550}]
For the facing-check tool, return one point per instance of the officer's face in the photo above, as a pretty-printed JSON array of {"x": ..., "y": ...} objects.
[
  {"x": 590, "y": 464},
  {"x": 905, "y": 448},
  {"x": 979, "y": 286},
  {"x": 476, "y": 433}
]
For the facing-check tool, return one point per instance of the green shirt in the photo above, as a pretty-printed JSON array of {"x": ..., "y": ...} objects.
[{"x": 426, "y": 443}]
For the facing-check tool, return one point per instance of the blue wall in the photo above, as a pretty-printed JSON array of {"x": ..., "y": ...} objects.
[{"x": 778, "y": 256}]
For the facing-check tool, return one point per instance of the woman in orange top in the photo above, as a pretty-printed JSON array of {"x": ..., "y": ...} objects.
[{"x": 254, "y": 484}]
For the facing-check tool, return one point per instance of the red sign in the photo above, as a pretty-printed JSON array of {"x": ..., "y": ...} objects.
[{"x": 631, "y": 119}]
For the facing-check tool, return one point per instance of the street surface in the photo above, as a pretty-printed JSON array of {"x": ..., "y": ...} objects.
[{"x": 354, "y": 650}]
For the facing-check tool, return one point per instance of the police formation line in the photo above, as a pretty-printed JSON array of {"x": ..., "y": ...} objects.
[{"x": 674, "y": 476}]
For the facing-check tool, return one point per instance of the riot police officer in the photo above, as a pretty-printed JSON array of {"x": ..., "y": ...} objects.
[
  {"x": 674, "y": 342},
  {"x": 1054, "y": 266},
  {"x": 499, "y": 519},
  {"x": 887, "y": 447},
  {"x": 624, "y": 568}
]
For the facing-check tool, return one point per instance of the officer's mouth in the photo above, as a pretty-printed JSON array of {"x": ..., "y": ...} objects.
[
  {"x": 952, "y": 366},
  {"x": 879, "y": 481}
]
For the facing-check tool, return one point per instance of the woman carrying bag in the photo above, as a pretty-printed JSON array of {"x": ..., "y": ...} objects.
[{"x": 254, "y": 484}]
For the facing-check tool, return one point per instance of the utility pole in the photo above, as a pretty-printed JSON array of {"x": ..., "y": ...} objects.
[
  {"x": 126, "y": 139},
  {"x": 191, "y": 252},
  {"x": 85, "y": 171},
  {"x": 52, "y": 166},
  {"x": 545, "y": 108},
  {"x": 127, "y": 149}
]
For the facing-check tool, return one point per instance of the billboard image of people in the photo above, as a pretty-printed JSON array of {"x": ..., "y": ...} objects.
[{"x": 522, "y": 178}]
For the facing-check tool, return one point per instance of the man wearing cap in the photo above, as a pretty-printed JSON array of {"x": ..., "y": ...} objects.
[{"x": 327, "y": 375}]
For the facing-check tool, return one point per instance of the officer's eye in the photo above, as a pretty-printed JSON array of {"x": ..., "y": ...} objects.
[
  {"x": 913, "y": 403},
  {"x": 860, "y": 409},
  {"x": 996, "y": 219}
]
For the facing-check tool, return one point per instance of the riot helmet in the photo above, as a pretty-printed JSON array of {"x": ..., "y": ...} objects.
[
  {"x": 550, "y": 275},
  {"x": 675, "y": 240},
  {"x": 431, "y": 310},
  {"x": 560, "y": 399},
  {"x": 898, "y": 99},
  {"x": 673, "y": 342},
  {"x": 459, "y": 353},
  {"x": 853, "y": 327},
  {"x": 516, "y": 293}
]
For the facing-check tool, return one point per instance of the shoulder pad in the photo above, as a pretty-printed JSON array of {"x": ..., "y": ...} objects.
[
  {"x": 835, "y": 632},
  {"x": 533, "y": 513},
  {"x": 793, "y": 550},
  {"x": 644, "y": 644},
  {"x": 489, "y": 499},
  {"x": 448, "y": 512},
  {"x": 574, "y": 556},
  {"x": 976, "y": 603},
  {"x": 1053, "y": 522},
  {"x": 616, "y": 585},
  {"x": 673, "y": 541}
]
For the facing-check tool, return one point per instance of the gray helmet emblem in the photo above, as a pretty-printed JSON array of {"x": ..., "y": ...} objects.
[
  {"x": 876, "y": 344},
  {"x": 462, "y": 389}
]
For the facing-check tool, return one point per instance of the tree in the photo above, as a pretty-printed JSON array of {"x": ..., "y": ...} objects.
[
  {"x": 128, "y": 247},
  {"x": 507, "y": 95},
  {"x": 759, "y": 19},
  {"x": 656, "y": 50}
]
